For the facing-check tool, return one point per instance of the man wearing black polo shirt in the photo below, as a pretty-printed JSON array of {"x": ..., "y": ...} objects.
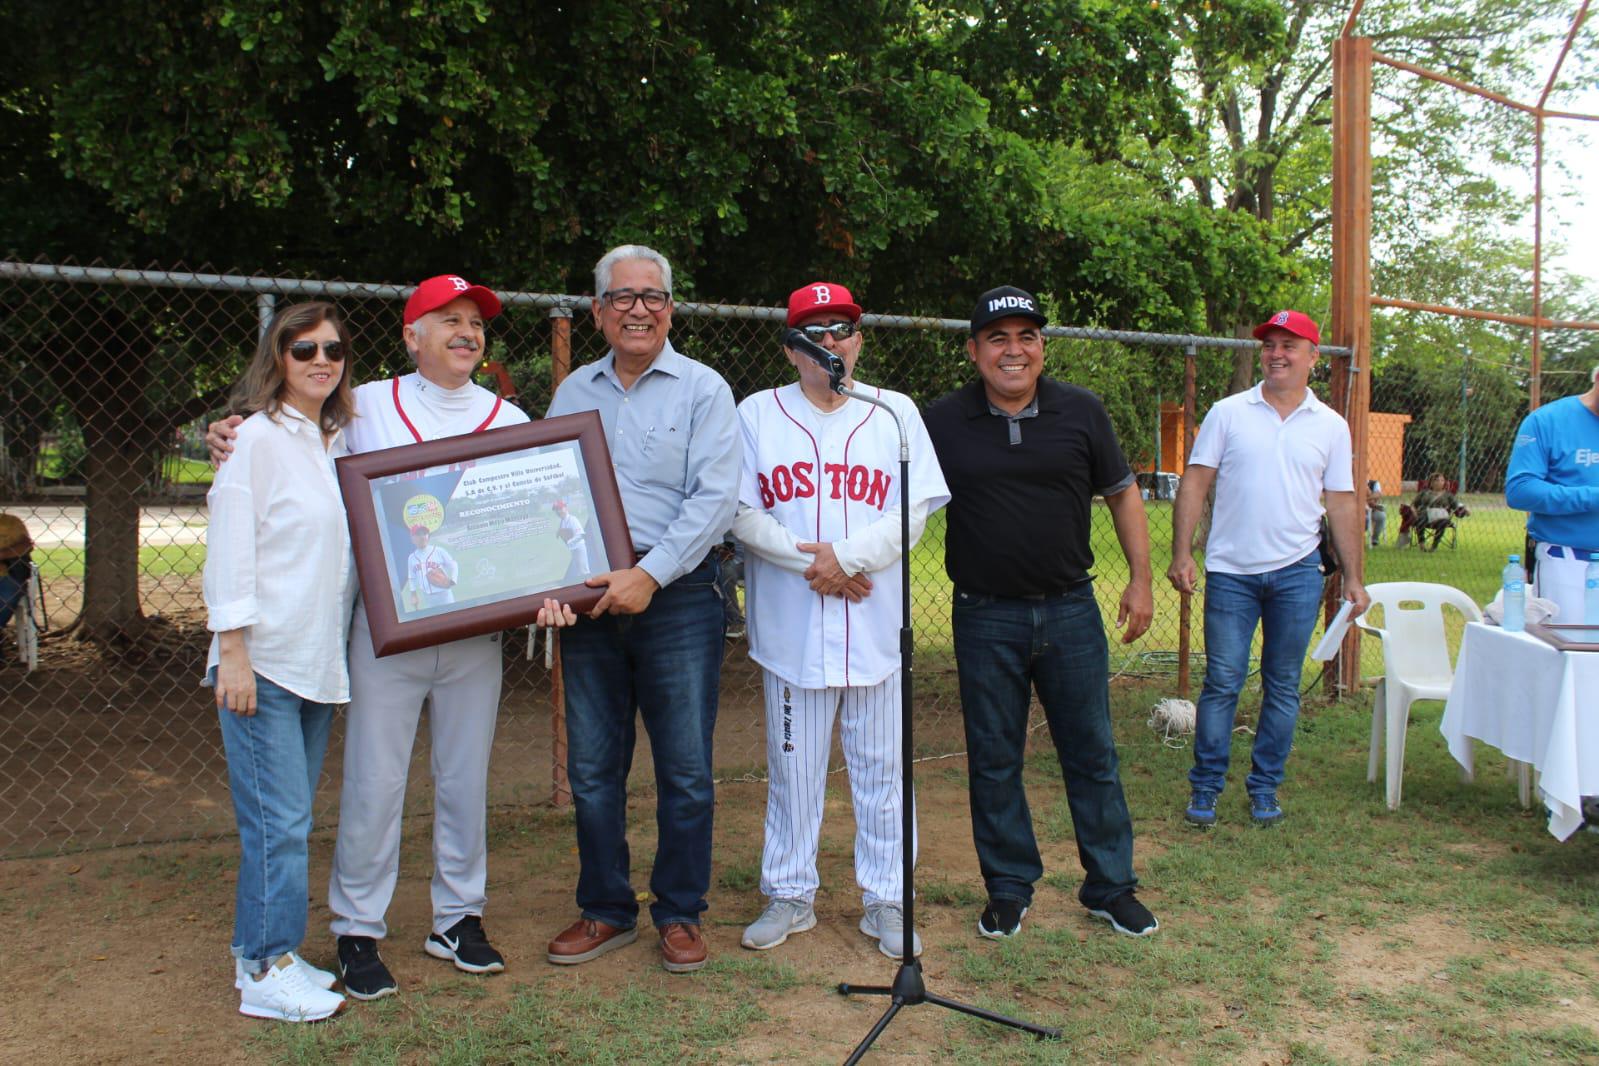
[{"x": 1024, "y": 455}]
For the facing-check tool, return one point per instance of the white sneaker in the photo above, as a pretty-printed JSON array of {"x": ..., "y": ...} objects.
[
  {"x": 780, "y": 918},
  {"x": 886, "y": 922},
  {"x": 286, "y": 994},
  {"x": 321, "y": 978}
]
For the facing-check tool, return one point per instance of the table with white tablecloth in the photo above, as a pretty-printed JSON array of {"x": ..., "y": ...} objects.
[{"x": 1536, "y": 704}]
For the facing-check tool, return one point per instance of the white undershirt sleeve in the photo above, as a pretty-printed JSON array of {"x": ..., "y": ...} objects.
[
  {"x": 764, "y": 535},
  {"x": 878, "y": 544}
]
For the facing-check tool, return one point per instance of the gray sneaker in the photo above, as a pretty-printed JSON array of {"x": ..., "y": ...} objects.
[
  {"x": 886, "y": 923},
  {"x": 780, "y": 918}
]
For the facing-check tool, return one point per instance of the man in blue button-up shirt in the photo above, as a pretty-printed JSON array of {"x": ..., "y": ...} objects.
[{"x": 653, "y": 644}]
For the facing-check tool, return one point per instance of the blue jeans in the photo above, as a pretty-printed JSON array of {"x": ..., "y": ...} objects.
[
  {"x": 13, "y": 586},
  {"x": 663, "y": 665},
  {"x": 1284, "y": 603},
  {"x": 274, "y": 761},
  {"x": 1004, "y": 649}
]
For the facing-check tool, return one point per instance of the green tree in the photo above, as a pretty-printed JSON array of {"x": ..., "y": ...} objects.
[
  {"x": 1260, "y": 72},
  {"x": 920, "y": 152}
]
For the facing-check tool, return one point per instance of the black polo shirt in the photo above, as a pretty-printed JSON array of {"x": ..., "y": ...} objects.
[{"x": 1019, "y": 514}]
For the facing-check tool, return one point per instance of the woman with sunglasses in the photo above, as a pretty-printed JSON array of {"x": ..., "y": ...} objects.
[{"x": 279, "y": 584}]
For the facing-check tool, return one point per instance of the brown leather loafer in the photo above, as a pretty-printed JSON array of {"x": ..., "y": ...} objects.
[
  {"x": 587, "y": 939},
  {"x": 682, "y": 947}
]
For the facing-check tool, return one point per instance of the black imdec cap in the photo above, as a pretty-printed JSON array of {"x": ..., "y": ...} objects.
[{"x": 1007, "y": 301}]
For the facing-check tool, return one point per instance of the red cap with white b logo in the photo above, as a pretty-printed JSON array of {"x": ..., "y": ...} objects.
[
  {"x": 434, "y": 293},
  {"x": 1296, "y": 322},
  {"x": 821, "y": 296}
]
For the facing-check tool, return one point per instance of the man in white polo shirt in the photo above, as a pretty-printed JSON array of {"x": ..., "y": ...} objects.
[{"x": 1274, "y": 454}]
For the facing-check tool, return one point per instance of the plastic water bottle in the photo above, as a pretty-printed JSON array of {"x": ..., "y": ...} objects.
[
  {"x": 1514, "y": 580},
  {"x": 1590, "y": 593}
]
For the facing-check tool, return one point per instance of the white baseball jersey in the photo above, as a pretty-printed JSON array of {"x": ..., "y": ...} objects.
[
  {"x": 827, "y": 477},
  {"x": 411, "y": 409},
  {"x": 416, "y": 575}
]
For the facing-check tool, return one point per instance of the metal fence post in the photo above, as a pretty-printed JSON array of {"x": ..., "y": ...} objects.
[
  {"x": 1185, "y": 600},
  {"x": 265, "y": 305},
  {"x": 560, "y": 787}
]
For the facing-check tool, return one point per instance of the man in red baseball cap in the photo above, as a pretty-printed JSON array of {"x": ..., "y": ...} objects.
[
  {"x": 1279, "y": 459},
  {"x": 820, "y": 521}
]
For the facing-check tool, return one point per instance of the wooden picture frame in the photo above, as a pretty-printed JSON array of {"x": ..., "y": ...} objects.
[
  {"x": 468, "y": 535},
  {"x": 1566, "y": 637}
]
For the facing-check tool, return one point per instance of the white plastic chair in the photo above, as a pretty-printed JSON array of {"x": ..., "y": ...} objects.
[{"x": 1416, "y": 666}]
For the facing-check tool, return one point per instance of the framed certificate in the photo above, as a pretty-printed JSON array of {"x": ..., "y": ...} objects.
[
  {"x": 1566, "y": 637},
  {"x": 469, "y": 534}
]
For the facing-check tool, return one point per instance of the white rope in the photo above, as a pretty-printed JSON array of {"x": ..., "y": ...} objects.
[{"x": 1175, "y": 719}]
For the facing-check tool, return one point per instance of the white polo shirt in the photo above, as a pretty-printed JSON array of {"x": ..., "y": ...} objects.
[{"x": 1270, "y": 475}]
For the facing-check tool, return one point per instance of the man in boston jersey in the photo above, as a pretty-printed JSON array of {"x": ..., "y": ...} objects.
[
  {"x": 819, "y": 515},
  {"x": 444, "y": 324}
]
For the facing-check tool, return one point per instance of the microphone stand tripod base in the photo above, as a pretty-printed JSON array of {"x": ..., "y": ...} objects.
[{"x": 908, "y": 990}]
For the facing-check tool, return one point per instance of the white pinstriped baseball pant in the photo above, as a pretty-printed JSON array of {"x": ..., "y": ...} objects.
[{"x": 799, "y": 738}]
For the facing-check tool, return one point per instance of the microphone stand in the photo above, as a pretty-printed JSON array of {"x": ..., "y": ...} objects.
[{"x": 908, "y": 988}]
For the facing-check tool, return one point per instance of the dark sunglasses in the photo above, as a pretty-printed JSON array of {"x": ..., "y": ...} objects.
[
  {"x": 840, "y": 330},
  {"x": 305, "y": 351}
]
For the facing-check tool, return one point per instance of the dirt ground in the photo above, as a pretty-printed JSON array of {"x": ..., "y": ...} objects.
[{"x": 132, "y": 963}]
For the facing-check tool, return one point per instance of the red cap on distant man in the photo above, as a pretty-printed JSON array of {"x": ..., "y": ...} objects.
[
  {"x": 419, "y": 530},
  {"x": 1296, "y": 322},
  {"x": 435, "y": 292},
  {"x": 821, "y": 296}
]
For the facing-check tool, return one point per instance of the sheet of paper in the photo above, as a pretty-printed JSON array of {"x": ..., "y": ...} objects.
[{"x": 1335, "y": 633}]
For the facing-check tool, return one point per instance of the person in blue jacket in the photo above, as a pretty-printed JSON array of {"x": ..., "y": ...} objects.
[{"x": 1554, "y": 477}]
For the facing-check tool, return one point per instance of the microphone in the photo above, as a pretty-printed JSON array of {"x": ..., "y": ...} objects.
[{"x": 797, "y": 341}]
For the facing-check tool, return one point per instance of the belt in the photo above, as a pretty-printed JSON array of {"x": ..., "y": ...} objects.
[{"x": 1033, "y": 596}]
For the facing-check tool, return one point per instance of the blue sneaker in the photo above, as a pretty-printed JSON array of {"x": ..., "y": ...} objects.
[
  {"x": 1264, "y": 809},
  {"x": 1201, "y": 809}
]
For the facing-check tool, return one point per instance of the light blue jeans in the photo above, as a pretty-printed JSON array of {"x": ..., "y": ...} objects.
[
  {"x": 274, "y": 761},
  {"x": 1284, "y": 604}
]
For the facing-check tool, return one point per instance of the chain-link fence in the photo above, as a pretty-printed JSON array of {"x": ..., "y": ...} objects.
[
  {"x": 109, "y": 377},
  {"x": 1439, "y": 438}
]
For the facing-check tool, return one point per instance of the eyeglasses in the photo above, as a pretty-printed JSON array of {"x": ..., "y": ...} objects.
[
  {"x": 305, "y": 351},
  {"x": 624, "y": 299},
  {"x": 842, "y": 331}
]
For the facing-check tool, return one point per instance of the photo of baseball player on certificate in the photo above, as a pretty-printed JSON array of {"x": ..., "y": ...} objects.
[{"x": 469, "y": 534}]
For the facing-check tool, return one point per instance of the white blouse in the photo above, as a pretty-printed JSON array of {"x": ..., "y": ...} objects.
[{"x": 278, "y": 562}]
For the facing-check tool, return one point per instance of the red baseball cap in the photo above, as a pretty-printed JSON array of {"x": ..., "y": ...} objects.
[
  {"x": 420, "y": 528},
  {"x": 1296, "y": 322},
  {"x": 821, "y": 296},
  {"x": 435, "y": 292}
]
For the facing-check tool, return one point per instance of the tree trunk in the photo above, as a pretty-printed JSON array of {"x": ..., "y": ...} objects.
[
  {"x": 115, "y": 473},
  {"x": 109, "y": 402}
]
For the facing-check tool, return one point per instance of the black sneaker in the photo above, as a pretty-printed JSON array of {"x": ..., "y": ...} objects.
[
  {"x": 465, "y": 944},
  {"x": 1001, "y": 918},
  {"x": 1127, "y": 915},
  {"x": 361, "y": 967}
]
